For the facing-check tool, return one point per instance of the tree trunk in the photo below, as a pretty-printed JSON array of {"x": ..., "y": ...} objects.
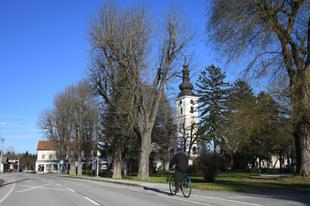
[
  {"x": 117, "y": 164},
  {"x": 125, "y": 168},
  {"x": 72, "y": 168},
  {"x": 301, "y": 121},
  {"x": 303, "y": 135},
  {"x": 166, "y": 165},
  {"x": 80, "y": 167},
  {"x": 281, "y": 158},
  {"x": 144, "y": 162}
]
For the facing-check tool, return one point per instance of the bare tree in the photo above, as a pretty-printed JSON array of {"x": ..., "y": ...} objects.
[
  {"x": 175, "y": 40},
  {"x": 72, "y": 123},
  {"x": 275, "y": 36},
  {"x": 164, "y": 133},
  {"x": 121, "y": 42}
]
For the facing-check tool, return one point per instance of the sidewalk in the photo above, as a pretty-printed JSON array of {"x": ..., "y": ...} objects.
[{"x": 10, "y": 178}]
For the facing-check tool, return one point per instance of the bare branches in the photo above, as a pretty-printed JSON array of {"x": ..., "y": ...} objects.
[
  {"x": 72, "y": 121},
  {"x": 253, "y": 28}
]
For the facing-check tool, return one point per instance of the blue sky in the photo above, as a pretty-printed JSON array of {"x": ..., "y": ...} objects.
[{"x": 44, "y": 48}]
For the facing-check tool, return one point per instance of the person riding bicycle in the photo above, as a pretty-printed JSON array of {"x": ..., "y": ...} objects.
[{"x": 180, "y": 161}]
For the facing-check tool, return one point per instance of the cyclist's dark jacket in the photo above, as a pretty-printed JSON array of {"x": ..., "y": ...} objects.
[{"x": 180, "y": 160}]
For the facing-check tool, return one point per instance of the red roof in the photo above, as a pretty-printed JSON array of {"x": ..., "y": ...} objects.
[{"x": 46, "y": 145}]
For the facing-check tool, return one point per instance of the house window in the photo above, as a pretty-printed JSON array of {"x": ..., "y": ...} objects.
[
  {"x": 192, "y": 101},
  {"x": 180, "y": 102},
  {"x": 50, "y": 156},
  {"x": 43, "y": 157},
  {"x": 192, "y": 109},
  {"x": 181, "y": 110}
]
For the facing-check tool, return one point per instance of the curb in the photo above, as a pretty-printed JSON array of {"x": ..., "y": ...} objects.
[{"x": 8, "y": 183}]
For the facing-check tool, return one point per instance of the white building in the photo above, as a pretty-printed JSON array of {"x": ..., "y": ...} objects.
[
  {"x": 3, "y": 161},
  {"x": 47, "y": 161},
  {"x": 187, "y": 116}
]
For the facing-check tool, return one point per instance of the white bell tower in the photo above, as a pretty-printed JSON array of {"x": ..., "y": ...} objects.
[{"x": 187, "y": 116}]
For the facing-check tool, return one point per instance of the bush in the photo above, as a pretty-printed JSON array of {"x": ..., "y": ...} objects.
[
  {"x": 208, "y": 164},
  {"x": 194, "y": 169}
]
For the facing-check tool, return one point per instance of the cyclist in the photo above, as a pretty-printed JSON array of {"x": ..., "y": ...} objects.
[{"x": 180, "y": 161}]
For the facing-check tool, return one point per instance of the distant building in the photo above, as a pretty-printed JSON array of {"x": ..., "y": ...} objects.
[
  {"x": 13, "y": 165},
  {"x": 47, "y": 161},
  {"x": 187, "y": 116}
]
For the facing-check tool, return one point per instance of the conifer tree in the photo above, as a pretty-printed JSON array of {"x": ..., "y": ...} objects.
[{"x": 212, "y": 91}]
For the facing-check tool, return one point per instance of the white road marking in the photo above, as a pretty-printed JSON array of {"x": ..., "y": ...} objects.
[
  {"x": 24, "y": 185},
  {"x": 7, "y": 194},
  {"x": 71, "y": 190},
  {"x": 90, "y": 200},
  {"x": 32, "y": 188},
  {"x": 49, "y": 188},
  {"x": 228, "y": 200},
  {"x": 45, "y": 188}
]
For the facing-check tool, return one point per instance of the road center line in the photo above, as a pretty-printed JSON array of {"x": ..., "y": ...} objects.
[
  {"x": 90, "y": 200},
  {"x": 71, "y": 190},
  {"x": 8, "y": 194},
  {"x": 228, "y": 200}
]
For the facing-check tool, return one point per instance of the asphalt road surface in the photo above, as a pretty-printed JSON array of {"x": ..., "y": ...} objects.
[{"x": 48, "y": 190}]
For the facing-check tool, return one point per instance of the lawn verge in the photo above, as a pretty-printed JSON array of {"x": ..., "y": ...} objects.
[{"x": 244, "y": 182}]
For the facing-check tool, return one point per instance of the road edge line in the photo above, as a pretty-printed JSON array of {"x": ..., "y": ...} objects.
[{"x": 8, "y": 194}]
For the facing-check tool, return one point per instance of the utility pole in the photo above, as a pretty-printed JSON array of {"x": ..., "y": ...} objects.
[
  {"x": 2, "y": 143},
  {"x": 1, "y": 156},
  {"x": 98, "y": 154}
]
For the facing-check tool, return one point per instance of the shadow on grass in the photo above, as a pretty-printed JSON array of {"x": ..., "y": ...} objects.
[
  {"x": 291, "y": 192},
  {"x": 257, "y": 186}
]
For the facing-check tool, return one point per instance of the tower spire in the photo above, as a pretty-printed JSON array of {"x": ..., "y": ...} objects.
[{"x": 186, "y": 87}]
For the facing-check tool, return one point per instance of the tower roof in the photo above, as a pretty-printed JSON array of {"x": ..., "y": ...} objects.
[{"x": 186, "y": 87}]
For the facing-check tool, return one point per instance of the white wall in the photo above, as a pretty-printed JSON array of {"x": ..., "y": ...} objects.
[
  {"x": 186, "y": 116},
  {"x": 46, "y": 154},
  {"x": 44, "y": 157}
]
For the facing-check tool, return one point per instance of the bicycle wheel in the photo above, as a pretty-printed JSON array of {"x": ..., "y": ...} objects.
[
  {"x": 186, "y": 187},
  {"x": 172, "y": 185}
]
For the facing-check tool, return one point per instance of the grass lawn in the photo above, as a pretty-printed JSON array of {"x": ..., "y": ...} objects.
[{"x": 235, "y": 181}]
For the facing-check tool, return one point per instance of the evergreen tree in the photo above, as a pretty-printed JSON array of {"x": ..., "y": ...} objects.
[
  {"x": 212, "y": 91},
  {"x": 239, "y": 123}
]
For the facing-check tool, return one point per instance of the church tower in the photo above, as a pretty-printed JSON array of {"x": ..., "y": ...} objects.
[{"x": 187, "y": 116}]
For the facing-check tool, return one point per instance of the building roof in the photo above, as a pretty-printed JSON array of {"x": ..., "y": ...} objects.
[{"x": 46, "y": 145}]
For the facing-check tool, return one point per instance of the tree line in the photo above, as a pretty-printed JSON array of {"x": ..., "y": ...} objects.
[
  {"x": 122, "y": 101},
  {"x": 244, "y": 128}
]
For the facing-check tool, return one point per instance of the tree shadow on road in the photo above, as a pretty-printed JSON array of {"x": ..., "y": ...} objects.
[{"x": 156, "y": 190}]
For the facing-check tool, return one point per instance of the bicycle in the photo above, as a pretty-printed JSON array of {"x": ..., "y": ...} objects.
[{"x": 185, "y": 184}]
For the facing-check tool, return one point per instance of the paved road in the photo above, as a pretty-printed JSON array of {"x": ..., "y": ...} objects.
[{"x": 32, "y": 190}]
